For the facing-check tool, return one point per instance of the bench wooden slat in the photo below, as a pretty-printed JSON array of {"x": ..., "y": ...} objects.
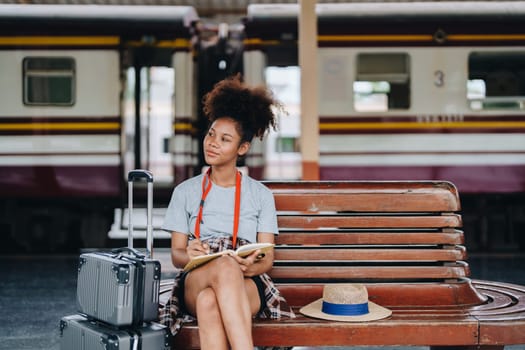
[
  {"x": 430, "y": 294},
  {"x": 349, "y": 273},
  {"x": 306, "y": 202},
  {"x": 458, "y": 328},
  {"x": 342, "y": 236},
  {"x": 388, "y": 196},
  {"x": 502, "y": 331},
  {"x": 321, "y": 221},
  {"x": 371, "y": 254}
]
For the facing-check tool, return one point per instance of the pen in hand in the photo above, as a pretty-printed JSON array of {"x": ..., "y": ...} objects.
[{"x": 197, "y": 246}]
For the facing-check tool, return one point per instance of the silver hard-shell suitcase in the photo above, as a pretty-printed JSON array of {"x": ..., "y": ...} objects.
[
  {"x": 121, "y": 287},
  {"x": 78, "y": 332}
]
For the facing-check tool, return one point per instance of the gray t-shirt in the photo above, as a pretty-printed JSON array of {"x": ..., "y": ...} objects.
[{"x": 257, "y": 213}]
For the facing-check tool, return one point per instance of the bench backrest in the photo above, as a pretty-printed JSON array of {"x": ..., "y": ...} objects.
[{"x": 392, "y": 234}]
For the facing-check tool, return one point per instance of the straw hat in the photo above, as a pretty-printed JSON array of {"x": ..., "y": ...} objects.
[{"x": 346, "y": 303}]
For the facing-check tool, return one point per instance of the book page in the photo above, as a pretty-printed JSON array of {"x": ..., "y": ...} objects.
[
  {"x": 203, "y": 259},
  {"x": 247, "y": 249}
]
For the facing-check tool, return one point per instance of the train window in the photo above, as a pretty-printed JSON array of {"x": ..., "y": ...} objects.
[
  {"x": 49, "y": 81},
  {"x": 382, "y": 82},
  {"x": 286, "y": 144},
  {"x": 496, "y": 80}
]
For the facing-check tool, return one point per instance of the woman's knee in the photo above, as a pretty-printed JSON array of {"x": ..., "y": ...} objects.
[
  {"x": 226, "y": 270},
  {"x": 207, "y": 300}
]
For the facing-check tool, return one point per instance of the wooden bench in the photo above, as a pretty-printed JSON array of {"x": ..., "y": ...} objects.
[{"x": 402, "y": 240}]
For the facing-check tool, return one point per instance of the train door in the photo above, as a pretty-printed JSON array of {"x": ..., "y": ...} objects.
[
  {"x": 159, "y": 116},
  {"x": 157, "y": 108},
  {"x": 148, "y": 111}
]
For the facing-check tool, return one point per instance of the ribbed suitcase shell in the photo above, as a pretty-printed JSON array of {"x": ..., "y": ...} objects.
[
  {"x": 118, "y": 289},
  {"x": 122, "y": 287},
  {"x": 77, "y": 332}
]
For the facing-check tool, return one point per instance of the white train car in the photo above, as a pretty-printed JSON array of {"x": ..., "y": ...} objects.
[
  {"x": 76, "y": 114},
  {"x": 409, "y": 91}
]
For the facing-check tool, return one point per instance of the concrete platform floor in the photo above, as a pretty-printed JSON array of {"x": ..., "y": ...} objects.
[{"x": 37, "y": 291}]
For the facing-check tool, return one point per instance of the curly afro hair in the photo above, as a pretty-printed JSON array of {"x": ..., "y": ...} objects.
[{"x": 250, "y": 107}]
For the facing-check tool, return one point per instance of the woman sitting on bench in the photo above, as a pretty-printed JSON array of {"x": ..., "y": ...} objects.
[{"x": 222, "y": 209}]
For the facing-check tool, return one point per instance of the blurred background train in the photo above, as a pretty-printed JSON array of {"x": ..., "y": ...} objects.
[{"x": 407, "y": 91}]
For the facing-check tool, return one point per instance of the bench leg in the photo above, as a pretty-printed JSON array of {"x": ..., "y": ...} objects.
[{"x": 473, "y": 347}]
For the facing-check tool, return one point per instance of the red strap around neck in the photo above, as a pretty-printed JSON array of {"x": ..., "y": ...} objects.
[{"x": 206, "y": 187}]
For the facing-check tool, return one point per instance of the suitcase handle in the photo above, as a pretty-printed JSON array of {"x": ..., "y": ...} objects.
[
  {"x": 133, "y": 175},
  {"x": 128, "y": 250},
  {"x": 140, "y": 174}
]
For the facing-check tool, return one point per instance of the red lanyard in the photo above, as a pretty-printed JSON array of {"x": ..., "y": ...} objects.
[{"x": 206, "y": 187}]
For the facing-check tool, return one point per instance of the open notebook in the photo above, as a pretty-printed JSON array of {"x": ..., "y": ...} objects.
[{"x": 242, "y": 251}]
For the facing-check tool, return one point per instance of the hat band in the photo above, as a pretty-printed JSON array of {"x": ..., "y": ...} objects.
[{"x": 345, "y": 309}]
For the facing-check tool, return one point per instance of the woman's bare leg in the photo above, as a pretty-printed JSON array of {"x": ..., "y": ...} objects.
[
  {"x": 211, "y": 331},
  {"x": 236, "y": 297}
]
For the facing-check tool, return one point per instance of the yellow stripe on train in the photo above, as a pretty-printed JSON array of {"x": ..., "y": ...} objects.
[
  {"x": 422, "y": 37},
  {"x": 60, "y": 40},
  {"x": 60, "y": 126},
  {"x": 257, "y": 41},
  {"x": 183, "y": 127},
  {"x": 399, "y": 37},
  {"x": 420, "y": 125},
  {"x": 169, "y": 44},
  {"x": 488, "y": 37},
  {"x": 386, "y": 37}
]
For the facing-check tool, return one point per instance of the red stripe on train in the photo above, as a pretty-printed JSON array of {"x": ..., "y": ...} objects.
[
  {"x": 468, "y": 179},
  {"x": 60, "y": 181}
]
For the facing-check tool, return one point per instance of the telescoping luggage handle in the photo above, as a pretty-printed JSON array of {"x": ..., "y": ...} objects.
[{"x": 133, "y": 176}]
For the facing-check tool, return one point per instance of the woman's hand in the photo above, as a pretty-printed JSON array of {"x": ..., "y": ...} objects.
[
  {"x": 196, "y": 247},
  {"x": 183, "y": 250},
  {"x": 250, "y": 265},
  {"x": 257, "y": 263}
]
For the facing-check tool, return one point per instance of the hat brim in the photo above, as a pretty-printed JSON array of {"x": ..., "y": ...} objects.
[{"x": 375, "y": 312}]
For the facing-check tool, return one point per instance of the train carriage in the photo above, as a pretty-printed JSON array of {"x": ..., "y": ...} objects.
[
  {"x": 432, "y": 90},
  {"x": 75, "y": 113},
  {"x": 429, "y": 90}
]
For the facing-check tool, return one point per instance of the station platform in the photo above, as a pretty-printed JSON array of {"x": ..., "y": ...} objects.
[{"x": 36, "y": 291}]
